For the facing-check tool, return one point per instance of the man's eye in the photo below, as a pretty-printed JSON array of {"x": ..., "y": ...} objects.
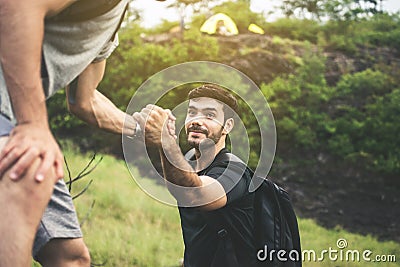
[
  {"x": 210, "y": 115},
  {"x": 191, "y": 112}
]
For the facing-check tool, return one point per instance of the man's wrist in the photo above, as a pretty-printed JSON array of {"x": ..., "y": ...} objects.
[
  {"x": 138, "y": 131},
  {"x": 168, "y": 142},
  {"x": 134, "y": 133},
  {"x": 36, "y": 123}
]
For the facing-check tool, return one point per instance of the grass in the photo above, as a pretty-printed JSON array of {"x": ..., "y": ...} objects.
[
  {"x": 315, "y": 237},
  {"x": 128, "y": 228}
]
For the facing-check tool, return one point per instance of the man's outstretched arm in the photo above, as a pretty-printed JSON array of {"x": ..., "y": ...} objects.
[
  {"x": 93, "y": 107},
  {"x": 21, "y": 34}
]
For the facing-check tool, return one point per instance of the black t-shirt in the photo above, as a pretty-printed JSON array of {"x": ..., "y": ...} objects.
[{"x": 200, "y": 227}]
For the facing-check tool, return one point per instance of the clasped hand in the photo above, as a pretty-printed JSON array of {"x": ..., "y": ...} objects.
[{"x": 158, "y": 124}]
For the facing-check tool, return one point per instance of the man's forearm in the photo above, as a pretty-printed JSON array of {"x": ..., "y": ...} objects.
[
  {"x": 175, "y": 168},
  {"x": 21, "y": 33},
  {"x": 105, "y": 115},
  {"x": 192, "y": 191},
  {"x": 93, "y": 107}
]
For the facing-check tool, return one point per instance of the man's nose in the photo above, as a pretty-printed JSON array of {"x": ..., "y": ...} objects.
[{"x": 197, "y": 121}]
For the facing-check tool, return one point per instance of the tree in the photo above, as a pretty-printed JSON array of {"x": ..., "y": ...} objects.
[
  {"x": 303, "y": 8},
  {"x": 197, "y": 6},
  {"x": 331, "y": 9}
]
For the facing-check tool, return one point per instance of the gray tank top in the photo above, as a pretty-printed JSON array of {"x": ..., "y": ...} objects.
[{"x": 68, "y": 48}]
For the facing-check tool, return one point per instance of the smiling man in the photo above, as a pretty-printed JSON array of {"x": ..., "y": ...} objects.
[{"x": 211, "y": 192}]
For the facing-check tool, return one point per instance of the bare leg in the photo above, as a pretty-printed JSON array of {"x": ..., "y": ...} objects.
[
  {"x": 22, "y": 205},
  {"x": 64, "y": 253}
]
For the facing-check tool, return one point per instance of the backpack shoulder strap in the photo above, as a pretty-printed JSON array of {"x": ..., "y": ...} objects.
[
  {"x": 284, "y": 209},
  {"x": 225, "y": 248},
  {"x": 221, "y": 157}
]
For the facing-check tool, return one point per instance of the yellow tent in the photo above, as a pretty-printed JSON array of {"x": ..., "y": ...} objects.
[
  {"x": 256, "y": 29},
  {"x": 219, "y": 24}
]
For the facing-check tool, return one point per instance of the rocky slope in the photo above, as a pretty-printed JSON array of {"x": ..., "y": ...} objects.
[{"x": 344, "y": 197}]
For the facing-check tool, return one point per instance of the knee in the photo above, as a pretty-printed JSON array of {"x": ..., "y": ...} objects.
[
  {"x": 82, "y": 259},
  {"x": 80, "y": 256},
  {"x": 24, "y": 201},
  {"x": 26, "y": 189},
  {"x": 77, "y": 257},
  {"x": 65, "y": 252}
]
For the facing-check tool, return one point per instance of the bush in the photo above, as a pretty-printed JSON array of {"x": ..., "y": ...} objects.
[
  {"x": 303, "y": 30},
  {"x": 135, "y": 61},
  {"x": 298, "y": 102},
  {"x": 365, "y": 122}
]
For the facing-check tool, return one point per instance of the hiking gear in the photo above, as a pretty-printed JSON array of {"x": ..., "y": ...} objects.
[{"x": 275, "y": 226}]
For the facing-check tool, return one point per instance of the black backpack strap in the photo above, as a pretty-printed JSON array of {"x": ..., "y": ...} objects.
[
  {"x": 284, "y": 211},
  {"x": 292, "y": 224},
  {"x": 220, "y": 157},
  {"x": 282, "y": 226},
  {"x": 288, "y": 223},
  {"x": 225, "y": 255}
]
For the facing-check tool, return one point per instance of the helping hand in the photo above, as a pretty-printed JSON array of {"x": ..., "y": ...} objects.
[{"x": 158, "y": 124}]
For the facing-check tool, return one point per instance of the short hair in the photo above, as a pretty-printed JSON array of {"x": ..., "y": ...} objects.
[{"x": 219, "y": 93}]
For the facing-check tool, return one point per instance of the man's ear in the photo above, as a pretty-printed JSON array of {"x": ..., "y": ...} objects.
[{"x": 229, "y": 123}]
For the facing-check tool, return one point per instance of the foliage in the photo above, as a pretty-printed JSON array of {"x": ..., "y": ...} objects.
[
  {"x": 330, "y": 9},
  {"x": 344, "y": 35},
  {"x": 316, "y": 238},
  {"x": 197, "y": 6},
  {"x": 298, "y": 102},
  {"x": 302, "y": 8},
  {"x": 61, "y": 120},
  {"x": 294, "y": 29},
  {"x": 164, "y": 27},
  {"x": 126, "y": 227},
  {"x": 240, "y": 12},
  {"x": 353, "y": 120},
  {"x": 135, "y": 61},
  {"x": 364, "y": 123}
]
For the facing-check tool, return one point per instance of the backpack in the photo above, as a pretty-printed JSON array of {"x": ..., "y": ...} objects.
[{"x": 276, "y": 232}]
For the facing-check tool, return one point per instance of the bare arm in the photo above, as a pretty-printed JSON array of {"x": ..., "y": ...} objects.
[
  {"x": 93, "y": 107},
  {"x": 208, "y": 194},
  {"x": 199, "y": 191},
  {"x": 21, "y": 34}
]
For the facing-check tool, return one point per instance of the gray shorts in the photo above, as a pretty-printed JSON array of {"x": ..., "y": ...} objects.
[{"x": 59, "y": 219}]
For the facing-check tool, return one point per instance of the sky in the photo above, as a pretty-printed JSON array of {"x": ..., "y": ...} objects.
[{"x": 153, "y": 12}]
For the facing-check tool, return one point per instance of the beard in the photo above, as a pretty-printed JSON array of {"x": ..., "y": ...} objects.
[{"x": 210, "y": 140}]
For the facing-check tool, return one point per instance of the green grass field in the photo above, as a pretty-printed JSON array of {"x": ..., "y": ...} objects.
[{"x": 128, "y": 228}]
